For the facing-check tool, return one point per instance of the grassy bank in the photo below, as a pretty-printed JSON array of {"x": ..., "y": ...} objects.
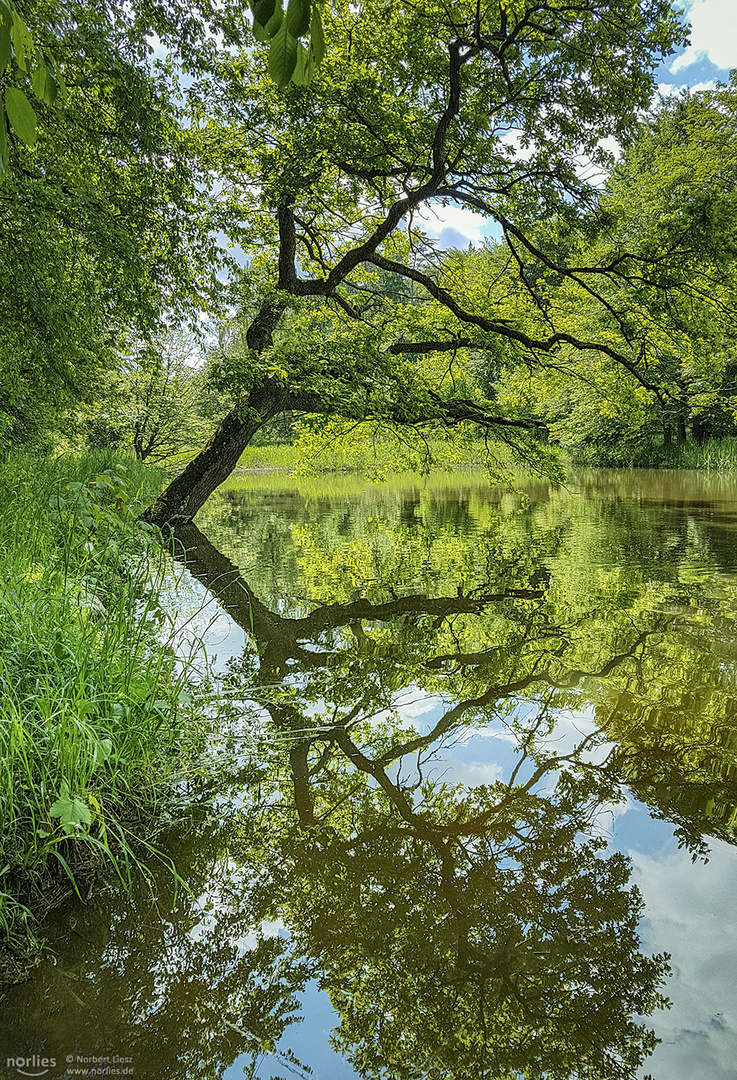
[
  {"x": 355, "y": 452},
  {"x": 719, "y": 455},
  {"x": 91, "y": 703},
  {"x": 386, "y": 458},
  {"x": 716, "y": 455}
]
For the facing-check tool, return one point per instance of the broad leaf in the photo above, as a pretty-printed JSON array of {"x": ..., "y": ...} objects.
[
  {"x": 38, "y": 80},
  {"x": 4, "y": 45},
  {"x": 299, "y": 75},
  {"x": 272, "y": 26},
  {"x": 21, "y": 115},
  {"x": 263, "y": 11},
  {"x": 3, "y": 144},
  {"x": 260, "y": 33},
  {"x": 298, "y": 17},
  {"x": 101, "y": 751},
  {"x": 317, "y": 37},
  {"x": 282, "y": 56},
  {"x": 22, "y": 41},
  {"x": 71, "y": 811}
]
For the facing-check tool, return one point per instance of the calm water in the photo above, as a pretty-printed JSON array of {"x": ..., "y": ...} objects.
[{"x": 472, "y": 778}]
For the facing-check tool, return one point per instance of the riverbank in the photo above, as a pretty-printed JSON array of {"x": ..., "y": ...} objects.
[
  {"x": 381, "y": 459},
  {"x": 95, "y": 714}
]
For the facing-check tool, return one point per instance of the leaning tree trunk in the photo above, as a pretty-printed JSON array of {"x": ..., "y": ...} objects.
[{"x": 189, "y": 491}]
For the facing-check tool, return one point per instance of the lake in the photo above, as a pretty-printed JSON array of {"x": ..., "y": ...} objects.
[{"x": 468, "y": 804}]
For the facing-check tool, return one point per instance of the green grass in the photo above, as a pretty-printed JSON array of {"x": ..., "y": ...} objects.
[
  {"x": 91, "y": 702},
  {"x": 715, "y": 454},
  {"x": 357, "y": 452}
]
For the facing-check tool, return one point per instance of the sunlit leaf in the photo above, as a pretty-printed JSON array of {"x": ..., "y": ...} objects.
[
  {"x": 298, "y": 17},
  {"x": 21, "y": 115},
  {"x": 282, "y": 56},
  {"x": 38, "y": 80},
  {"x": 299, "y": 75},
  {"x": 317, "y": 36}
]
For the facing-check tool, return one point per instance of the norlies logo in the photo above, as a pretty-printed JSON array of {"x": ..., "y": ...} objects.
[{"x": 31, "y": 1066}]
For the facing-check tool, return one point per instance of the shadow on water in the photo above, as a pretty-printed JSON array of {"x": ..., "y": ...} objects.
[{"x": 420, "y": 748}]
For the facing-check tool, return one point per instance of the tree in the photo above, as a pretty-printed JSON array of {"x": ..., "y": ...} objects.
[
  {"x": 156, "y": 399},
  {"x": 665, "y": 229},
  {"x": 106, "y": 228},
  {"x": 410, "y": 105}
]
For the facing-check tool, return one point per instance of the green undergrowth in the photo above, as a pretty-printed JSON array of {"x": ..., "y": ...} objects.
[
  {"x": 95, "y": 708},
  {"x": 339, "y": 449},
  {"x": 719, "y": 455}
]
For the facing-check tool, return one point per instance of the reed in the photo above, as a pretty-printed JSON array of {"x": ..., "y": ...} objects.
[{"x": 717, "y": 455}]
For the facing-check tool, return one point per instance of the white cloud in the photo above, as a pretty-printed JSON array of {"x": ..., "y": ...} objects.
[
  {"x": 513, "y": 139},
  {"x": 672, "y": 89},
  {"x": 413, "y": 702},
  {"x": 691, "y": 914},
  {"x": 437, "y": 218},
  {"x": 472, "y": 773},
  {"x": 713, "y": 34}
]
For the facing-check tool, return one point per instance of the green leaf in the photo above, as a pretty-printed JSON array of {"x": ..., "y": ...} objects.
[
  {"x": 298, "y": 17},
  {"x": 317, "y": 37},
  {"x": 21, "y": 115},
  {"x": 63, "y": 90},
  {"x": 272, "y": 26},
  {"x": 38, "y": 80},
  {"x": 22, "y": 41},
  {"x": 71, "y": 811},
  {"x": 61, "y": 86},
  {"x": 101, "y": 751},
  {"x": 51, "y": 87},
  {"x": 259, "y": 33},
  {"x": 3, "y": 144},
  {"x": 282, "y": 56},
  {"x": 4, "y": 45},
  {"x": 299, "y": 75},
  {"x": 263, "y": 10}
]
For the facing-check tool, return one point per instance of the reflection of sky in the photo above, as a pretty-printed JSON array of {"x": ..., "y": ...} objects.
[
  {"x": 690, "y": 910},
  {"x": 690, "y": 913}
]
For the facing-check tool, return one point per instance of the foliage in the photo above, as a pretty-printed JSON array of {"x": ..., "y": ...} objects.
[
  {"x": 91, "y": 701},
  {"x": 19, "y": 53},
  {"x": 156, "y": 402},
  {"x": 664, "y": 236},
  {"x": 289, "y": 58},
  {"x": 348, "y": 313},
  {"x": 106, "y": 230}
]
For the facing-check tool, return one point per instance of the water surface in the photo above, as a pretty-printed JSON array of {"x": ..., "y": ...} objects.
[{"x": 475, "y": 750}]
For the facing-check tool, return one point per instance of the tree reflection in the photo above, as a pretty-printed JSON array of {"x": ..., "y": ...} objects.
[{"x": 460, "y": 931}]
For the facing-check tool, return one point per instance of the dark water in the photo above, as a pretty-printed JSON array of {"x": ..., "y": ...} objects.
[{"x": 473, "y": 752}]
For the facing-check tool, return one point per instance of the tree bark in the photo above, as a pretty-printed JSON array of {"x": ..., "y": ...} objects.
[{"x": 189, "y": 491}]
